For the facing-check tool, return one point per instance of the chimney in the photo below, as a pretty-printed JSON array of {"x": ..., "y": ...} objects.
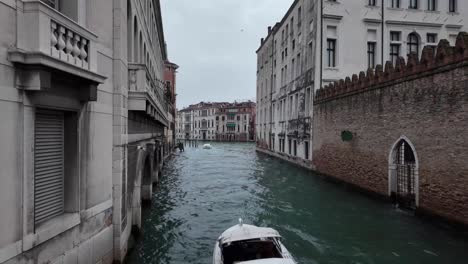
[
  {"x": 261, "y": 41},
  {"x": 269, "y": 30}
]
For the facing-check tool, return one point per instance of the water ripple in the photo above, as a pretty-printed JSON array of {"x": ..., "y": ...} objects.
[{"x": 203, "y": 192}]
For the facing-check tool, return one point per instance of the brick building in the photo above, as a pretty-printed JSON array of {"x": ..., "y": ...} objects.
[
  {"x": 401, "y": 131},
  {"x": 170, "y": 74}
]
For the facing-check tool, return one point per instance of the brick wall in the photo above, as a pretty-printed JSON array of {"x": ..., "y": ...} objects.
[{"x": 424, "y": 101}]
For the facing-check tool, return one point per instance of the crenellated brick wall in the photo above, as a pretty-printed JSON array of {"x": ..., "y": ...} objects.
[{"x": 422, "y": 101}]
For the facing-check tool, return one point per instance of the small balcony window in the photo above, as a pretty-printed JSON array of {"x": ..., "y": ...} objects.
[{"x": 452, "y": 6}]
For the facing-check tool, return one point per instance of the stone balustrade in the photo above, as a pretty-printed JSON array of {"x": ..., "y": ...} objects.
[
  {"x": 49, "y": 36},
  {"x": 145, "y": 93},
  {"x": 68, "y": 46}
]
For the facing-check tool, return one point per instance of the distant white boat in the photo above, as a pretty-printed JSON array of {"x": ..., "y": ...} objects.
[
  {"x": 207, "y": 146},
  {"x": 248, "y": 244}
]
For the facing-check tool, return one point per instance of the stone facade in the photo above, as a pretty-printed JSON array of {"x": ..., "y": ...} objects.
[
  {"x": 236, "y": 122},
  {"x": 360, "y": 121},
  {"x": 85, "y": 116},
  {"x": 217, "y": 122}
]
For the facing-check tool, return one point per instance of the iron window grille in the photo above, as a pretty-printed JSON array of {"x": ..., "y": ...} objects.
[{"x": 371, "y": 3}]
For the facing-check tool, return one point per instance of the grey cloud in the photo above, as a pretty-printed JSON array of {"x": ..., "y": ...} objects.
[{"x": 214, "y": 43}]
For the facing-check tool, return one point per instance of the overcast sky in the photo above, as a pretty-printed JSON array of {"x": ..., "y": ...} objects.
[{"x": 214, "y": 43}]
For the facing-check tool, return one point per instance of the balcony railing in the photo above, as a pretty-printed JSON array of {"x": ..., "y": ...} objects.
[
  {"x": 47, "y": 37},
  {"x": 145, "y": 93},
  {"x": 300, "y": 126}
]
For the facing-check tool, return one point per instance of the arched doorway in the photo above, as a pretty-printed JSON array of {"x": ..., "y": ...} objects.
[{"x": 403, "y": 174}]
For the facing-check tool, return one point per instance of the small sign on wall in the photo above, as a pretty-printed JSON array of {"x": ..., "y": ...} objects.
[{"x": 347, "y": 136}]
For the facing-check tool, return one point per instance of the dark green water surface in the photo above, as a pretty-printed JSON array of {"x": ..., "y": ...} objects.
[{"x": 203, "y": 192}]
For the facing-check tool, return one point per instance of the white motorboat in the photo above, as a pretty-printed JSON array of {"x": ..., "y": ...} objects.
[
  {"x": 248, "y": 244},
  {"x": 207, "y": 146}
]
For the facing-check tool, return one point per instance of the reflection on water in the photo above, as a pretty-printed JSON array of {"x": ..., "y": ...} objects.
[{"x": 203, "y": 192}]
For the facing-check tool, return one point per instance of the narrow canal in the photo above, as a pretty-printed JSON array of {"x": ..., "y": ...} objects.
[{"x": 203, "y": 192}]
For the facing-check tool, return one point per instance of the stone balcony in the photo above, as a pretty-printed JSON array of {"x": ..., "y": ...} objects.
[
  {"x": 49, "y": 41},
  {"x": 146, "y": 94}
]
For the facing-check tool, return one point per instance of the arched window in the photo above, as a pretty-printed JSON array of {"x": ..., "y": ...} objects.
[{"x": 413, "y": 44}]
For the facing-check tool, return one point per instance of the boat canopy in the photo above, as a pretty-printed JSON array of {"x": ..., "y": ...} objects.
[
  {"x": 247, "y": 232},
  {"x": 269, "y": 261}
]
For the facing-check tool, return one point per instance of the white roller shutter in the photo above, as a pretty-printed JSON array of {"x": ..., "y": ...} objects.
[{"x": 48, "y": 165}]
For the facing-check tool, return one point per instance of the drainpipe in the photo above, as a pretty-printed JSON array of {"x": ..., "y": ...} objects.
[
  {"x": 272, "y": 36},
  {"x": 321, "y": 44},
  {"x": 382, "y": 33}
]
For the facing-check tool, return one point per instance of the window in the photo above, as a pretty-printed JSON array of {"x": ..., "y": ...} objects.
[
  {"x": 395, "y": 43},
  {"x": 413, "y": 4},
  {"x": 431, "y": 38},
  {"x": 289, "y": 146},
  {"x": 370, "y": 54},
  {"x": 295, "y": 148},
  {"x": 395, "y": 3},
  {"x": 431, "y": 5},
  {"x": 371, "y": 2},
  {"x": 331, "y": 52},
  {"x": 55, "y": 160},
  {"x": 452, "y": 6},
  {"x": 299, "y": 18},
  {"x": 306, "y": 150},
  {"x": 413, "y": 44}
]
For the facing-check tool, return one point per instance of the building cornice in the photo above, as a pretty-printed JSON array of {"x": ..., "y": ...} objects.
[{"x": 413, "y": 23}]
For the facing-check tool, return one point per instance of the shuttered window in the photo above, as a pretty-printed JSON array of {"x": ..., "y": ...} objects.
[{"x": 48, "y": 165}]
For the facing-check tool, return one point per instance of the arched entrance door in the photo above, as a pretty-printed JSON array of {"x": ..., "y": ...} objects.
[{"x": 403, "y": 169}]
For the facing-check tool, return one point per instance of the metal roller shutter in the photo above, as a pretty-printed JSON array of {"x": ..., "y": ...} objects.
[{"x": 48, "y": 165}]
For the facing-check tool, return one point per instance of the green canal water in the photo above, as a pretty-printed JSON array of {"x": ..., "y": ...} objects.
[{"x": 203, "y": 192}]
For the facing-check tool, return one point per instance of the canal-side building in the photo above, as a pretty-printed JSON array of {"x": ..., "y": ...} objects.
[
  {"x": 197, "y": 122},
  {"x": 170, "y": 74},
  {"x": 219, "y": 121},
  {"x": 400, "y": 132},
  {"x": 85, "y": 119},
  {"x": 320, "y": 42},
  {"x": 236, "y": 122}
]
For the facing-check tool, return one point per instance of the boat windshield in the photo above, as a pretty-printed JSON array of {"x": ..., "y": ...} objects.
[{"x": 247, "y": 250}]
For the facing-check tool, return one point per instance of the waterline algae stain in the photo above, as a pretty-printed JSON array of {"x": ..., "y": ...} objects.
[{"x": 203, "y": 192}]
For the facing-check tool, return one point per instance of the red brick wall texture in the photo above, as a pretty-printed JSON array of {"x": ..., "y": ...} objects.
[{"x": 424, "y": 101}]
